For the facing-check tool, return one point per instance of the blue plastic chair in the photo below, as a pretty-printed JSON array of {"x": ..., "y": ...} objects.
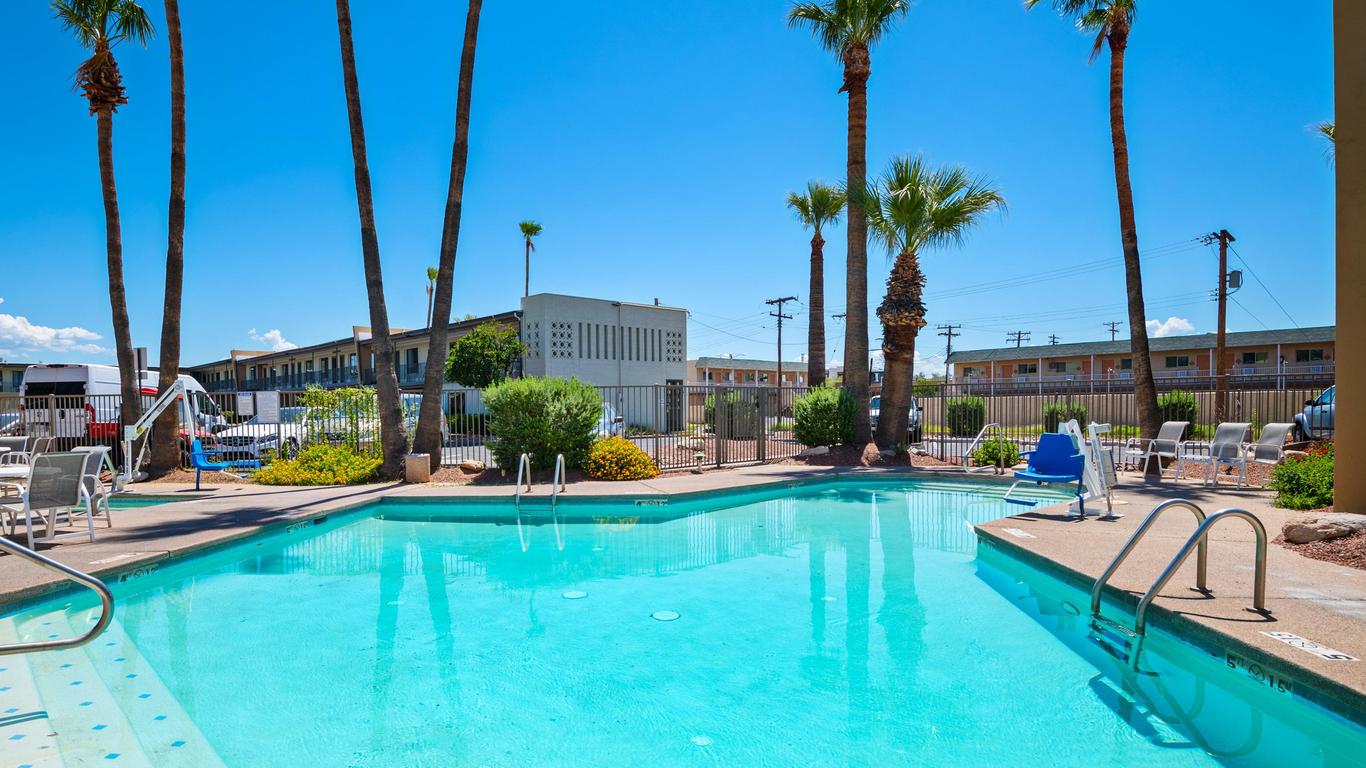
[
  {"x": 202, "y": 461},
  {"x": 1055, "y": 460}
]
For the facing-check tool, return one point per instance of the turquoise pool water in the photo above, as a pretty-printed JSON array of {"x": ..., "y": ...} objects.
[{"x": 833, "y": 625}]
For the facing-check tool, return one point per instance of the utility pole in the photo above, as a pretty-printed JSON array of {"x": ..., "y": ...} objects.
[
  {"x": 1113, "y": 325},
  {"x": 948, "y": 331},
  {"x": 1019, "y": 337},
  {"x": 1221, "y": 334},
  {"x": 1053, "y": 339},
  {"x": 781, "y": 317}
]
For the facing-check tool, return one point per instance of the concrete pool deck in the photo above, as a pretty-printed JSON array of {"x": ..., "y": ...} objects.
[{"x": 1317, "y": 600}]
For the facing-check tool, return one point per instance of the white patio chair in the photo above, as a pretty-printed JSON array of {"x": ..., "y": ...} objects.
[
  {"x": 54, "y": 488},
  {"x": 1228, "y": 448},
  {"x": 1167, "y": 445},
  {"x": 97, "y": 491},
  {"x": 1270, "y": 446},
  {"x": 18, "y": 452}
]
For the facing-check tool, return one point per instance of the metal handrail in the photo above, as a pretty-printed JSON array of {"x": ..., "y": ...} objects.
[
  {"x": 557, "y": 483},
  {"x": 523, "y": 463},
  {"x": 1201, "y": 560},
  {"x": 1000, "y": 432},
  {"x": 1198, "y": 538},
  {"x": 106, "y": 602}
]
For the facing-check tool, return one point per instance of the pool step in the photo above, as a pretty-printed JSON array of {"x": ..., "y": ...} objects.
[{"x": 1116, "y": 639}]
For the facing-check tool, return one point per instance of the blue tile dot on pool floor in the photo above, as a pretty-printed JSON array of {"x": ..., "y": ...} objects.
[
  {"x": 86, "y": 703},
  {"x": 177, "y": 743},
  {"x": 144, "y": 695},
  {"x": 76, "y": 682},
  {"x": 99, "y": 727},
  {"x": 130, "y": 676},
  {"x": 159, "y": 717},
  {"x": 112, "y": 756},
  {"x": 11, "y": 710},
  {"x": 16, "y": 737}
]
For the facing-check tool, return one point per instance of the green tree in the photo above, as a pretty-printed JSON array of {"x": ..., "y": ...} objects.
[
  {"x": 393, "y": 442},
  {"x": 166, "y": 453},
  {"x": 850, "y": 29},
  {"x": 530, "y": 229},
  {"x": 484, "y": 356},
  {"x": 100, "y": 26},
  {"x": 428, "y": 438},
  {"x": 1112, "y": 21},
  {"x": 911, "y": 208},
  {"x": 432, "y": 273},
  {"x": 820, "y": 205}
]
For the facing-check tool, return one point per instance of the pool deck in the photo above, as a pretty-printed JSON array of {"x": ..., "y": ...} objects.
[{"x": 1320, "y": 601}]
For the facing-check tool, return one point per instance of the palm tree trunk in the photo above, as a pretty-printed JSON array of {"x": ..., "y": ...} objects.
[
  {"x": 166, "y": 450},
  {"x": 903, "y": 315},
  {"x": 526, "y": 291},
  {"x": 815, "y": 330},
  {"x": 392, "y": 440},
  {"x": 129, "y": 386},
  {"x": 1145, "y": 391},
  {"x": 429, "y": 418},
  {"x": 856, "y": 71}
]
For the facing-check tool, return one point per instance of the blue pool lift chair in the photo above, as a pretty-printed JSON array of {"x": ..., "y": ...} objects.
[
  {"x": 206, "y": 460},
  {"x": 1056, "y": 459}
]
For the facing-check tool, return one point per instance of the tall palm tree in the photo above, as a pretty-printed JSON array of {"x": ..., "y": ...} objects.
[
  {"x": 820, "y": 205},
  {"x": 913, "y": 207},
  {"x": 849, "y": 29},
  {"x": 392, "y": 440},
  {"x": 432, "y": 274},
  {"x": 1111, "y": 21},
  {"x": 529, "y": 229},
  {"x": 429, "y": 416},
  {"x": 100, "y": 26},
  {"x": 166, "y": 454}
]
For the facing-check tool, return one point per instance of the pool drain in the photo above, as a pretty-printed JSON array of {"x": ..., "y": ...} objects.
[
  {"x": 574, "y": 594},
  {"x": 664, "y": 615},
  {"x": 702, "y": 741}
]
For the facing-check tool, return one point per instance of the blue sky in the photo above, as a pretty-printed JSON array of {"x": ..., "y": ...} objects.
[{"x": 656, "y": 142}]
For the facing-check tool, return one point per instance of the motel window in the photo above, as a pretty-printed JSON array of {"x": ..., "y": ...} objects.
[
  {"x": 708, "y": 376},
  {"x": 1308, "y": 355},
  {"x": 1062, "y": 366},
  {"x": 972, "y": 372},
  {"x": 729, "y": 376},
  {"x": 1023, "y": 369},
  {"x": 1178, "y": 361},
  {"x": 763, "y": 378},
  {"x": 1252, "y": 358},
  {"x": 1127, "y": 364}
]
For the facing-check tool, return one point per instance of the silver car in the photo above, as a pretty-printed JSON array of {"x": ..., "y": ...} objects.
[
  {"x": 1316, "y": 420},
  {"x": 915, "y": 436}
]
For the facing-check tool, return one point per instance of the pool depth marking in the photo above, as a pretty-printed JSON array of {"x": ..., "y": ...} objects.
[{"x": 1309, "y": 646}]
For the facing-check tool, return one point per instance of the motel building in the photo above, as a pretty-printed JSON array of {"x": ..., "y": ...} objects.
[
  {"x": 745, "y": 372},
  {"x": 1270, "y": 358}
]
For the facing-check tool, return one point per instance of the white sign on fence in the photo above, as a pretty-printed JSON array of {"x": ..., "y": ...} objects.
[
  {"x": 246, "y": 404},
  {"x": 268, "y": 407}
]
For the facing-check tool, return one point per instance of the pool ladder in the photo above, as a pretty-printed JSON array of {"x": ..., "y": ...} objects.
[
  {"x": 71, "y": 574},
  {"x": 1124, "y": 642},
  {"x": 557, "y": 483}
]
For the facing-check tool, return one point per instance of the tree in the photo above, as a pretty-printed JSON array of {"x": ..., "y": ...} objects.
[
  {"x": 100, "y": 26},
  {"x": 432, "y": 273},
  {"x": 529, "y": 229},
  {"x": 166, "y": 453},
  {"x": 393, "y": 443},
  {"x": 483, "y": 357},
  {"x": 1328, "y": 130},
  {"x": 1111, "y": 21},
  {"x": 429, "y": 417},
  {"x": 820, "y": 205},
  {"x": 912, "y": 208},
  {"x": 850, "y": 29}
]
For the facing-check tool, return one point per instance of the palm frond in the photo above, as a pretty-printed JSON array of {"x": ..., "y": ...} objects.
[
  {"x": 530, "y": 228},
  {"x": 432, "y": 272},
  {"x": 104, "y": 22},
  {"x": 1101, "y": 17},
  {"x": 913, "y": 206},
  {"x": 822, "y": 204},
  {"x": 132, "y": 23},
  {"x": 837, "y": 24}
]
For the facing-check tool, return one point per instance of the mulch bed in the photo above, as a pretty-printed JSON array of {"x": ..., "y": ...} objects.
[
  {"x": 852, "y": 456},
  {"x": 1347, "y": 550}
]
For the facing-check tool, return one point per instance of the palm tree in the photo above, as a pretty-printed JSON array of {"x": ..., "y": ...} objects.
[
  {"x": 1111, "y": 21},
  {"x": 911, "y": 208},
  {"x": 166, "y": 453},
  {"x": 820, "y": 205},
  {"x": 1328, "y": 130},
  {"x": 100, "y": 26},
  {"x": 849, "y": 29},
  {"x": 392, "y": 441},
  {"x": 432, "y": 274},
  {"x": 428, "y": 439},
  {"x": 529, "y": 229}
]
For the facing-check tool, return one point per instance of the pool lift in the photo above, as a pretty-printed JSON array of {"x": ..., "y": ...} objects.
[
  {"x": 175, "y": 395},
  {"x": 1095, "y": 480}
]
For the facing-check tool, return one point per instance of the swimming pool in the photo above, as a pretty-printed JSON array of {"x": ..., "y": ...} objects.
[{"x": 833, "y": 624}]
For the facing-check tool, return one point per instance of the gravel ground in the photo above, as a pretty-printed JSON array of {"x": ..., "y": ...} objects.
[{"x": 1348, "y": 550}]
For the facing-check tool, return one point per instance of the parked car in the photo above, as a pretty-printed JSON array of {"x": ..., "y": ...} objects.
[
  {"x": 915, "y": 432},
  {"x": 251, "y": 440},
  {"x": 10, "y": 424},
  {"x": 1316, "y": 420}
]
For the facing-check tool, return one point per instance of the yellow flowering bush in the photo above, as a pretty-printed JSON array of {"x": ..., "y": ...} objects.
[
  {"x": 616, "y": 458},
  {"x": 321, "y": 465}
]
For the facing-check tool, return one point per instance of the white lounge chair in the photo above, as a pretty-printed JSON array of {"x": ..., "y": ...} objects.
[
  {"x": 1228, "y": 448},
  {"x": 97, "y": 491},
  {"x": 54, "y": 488},
  {"x": 1167, "y": 445},
  {"x": 1270, "y": 445}
]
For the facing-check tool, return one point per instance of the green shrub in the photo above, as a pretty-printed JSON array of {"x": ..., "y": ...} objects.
[
  {"x": 1055, "y": 413},
  {"x": 1179, "y": 406},
  {"x": 1305, "y": 482},
  {"x": 825, "y": 416},
  {"x": 321, "y": 465},
  {"x": 639, "y": 430},
  {"x": 616, "y": 458},
  {"x": 782, "y": 426},
  {"x": 966, "y": 415},
  {"x": 990, "y": 452},
  {"x": 542, "y": 417}
]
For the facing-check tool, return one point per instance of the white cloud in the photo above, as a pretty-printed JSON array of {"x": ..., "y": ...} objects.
[
  {"x": 27, "y": 337},
  {"x": 273, "y": 337},
  {"x": 1170, "y": 327}
]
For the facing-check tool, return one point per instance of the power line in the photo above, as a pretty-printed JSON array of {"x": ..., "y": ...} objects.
[
  {"x": 1019, "y": 337},
  {"x": 1113, "y": 325},
  {"x": 781, "y": 317},
  {"x": 948, "y": 331},
  {"x": 1253, "y": 272}
]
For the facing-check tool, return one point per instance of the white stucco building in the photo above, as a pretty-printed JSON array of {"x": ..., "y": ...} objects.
[{"x": 607, "y": 343}]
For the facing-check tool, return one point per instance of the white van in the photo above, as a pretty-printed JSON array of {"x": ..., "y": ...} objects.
[{"x": 82, "y": 401}]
